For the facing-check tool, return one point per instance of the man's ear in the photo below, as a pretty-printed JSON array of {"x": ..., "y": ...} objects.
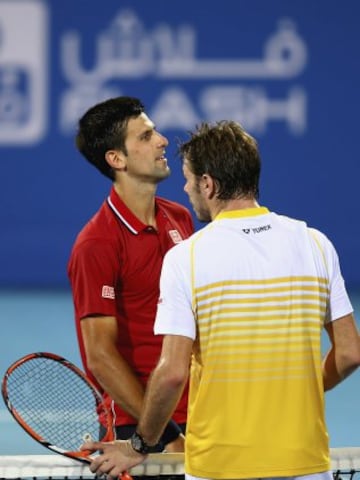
[
  {"x": 116, "y": 159},
  {"x": 208, "y": 185}
]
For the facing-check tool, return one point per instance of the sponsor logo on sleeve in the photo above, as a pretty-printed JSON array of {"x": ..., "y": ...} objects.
[{"x": 108, "y": 292}]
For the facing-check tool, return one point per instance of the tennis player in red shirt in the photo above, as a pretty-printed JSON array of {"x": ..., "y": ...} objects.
[{"x": 115, "y": 263}]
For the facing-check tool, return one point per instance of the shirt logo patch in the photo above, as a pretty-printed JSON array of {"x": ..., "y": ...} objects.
[
  {"x": 175, "y": 236},
  {"x": 108, "y": 292}
]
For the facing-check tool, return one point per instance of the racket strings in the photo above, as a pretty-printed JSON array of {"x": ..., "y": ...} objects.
[{"x": 55, "y": 402}]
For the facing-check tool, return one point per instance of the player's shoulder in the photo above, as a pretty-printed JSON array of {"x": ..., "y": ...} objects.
[
  {"x": 290, "y": 222},
  {"x": 98, "y": 226},
  {"x": 301, "y": 227},
  {"x": 299, "y": 224},
  {"x": 320, "y": 236}
]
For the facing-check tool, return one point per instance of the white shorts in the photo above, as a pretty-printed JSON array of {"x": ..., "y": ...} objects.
[{"x": 313, "y": 476}]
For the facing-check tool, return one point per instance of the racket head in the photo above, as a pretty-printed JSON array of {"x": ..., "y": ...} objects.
[{"x": 55, "y": 403}]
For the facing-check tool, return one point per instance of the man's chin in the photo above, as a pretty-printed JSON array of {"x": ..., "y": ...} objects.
[{"x": 164, "y": 175}]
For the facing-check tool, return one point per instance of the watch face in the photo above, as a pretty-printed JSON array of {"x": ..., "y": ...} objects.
[{"x": 137, "y": 443}]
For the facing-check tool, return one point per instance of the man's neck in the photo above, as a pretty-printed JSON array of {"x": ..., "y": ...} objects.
[{"x": 140, "y": 199}]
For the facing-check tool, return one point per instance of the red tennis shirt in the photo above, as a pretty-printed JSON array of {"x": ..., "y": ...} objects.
[{"x": 114, "y": 270}]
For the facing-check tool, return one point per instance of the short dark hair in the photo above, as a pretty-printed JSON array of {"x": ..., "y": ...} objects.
[
  {"x": 226, "y": 152},
  {"x": 103, "y": 127}
]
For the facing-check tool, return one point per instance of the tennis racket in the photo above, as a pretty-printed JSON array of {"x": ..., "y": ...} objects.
[{"x": 56, "y": 404}]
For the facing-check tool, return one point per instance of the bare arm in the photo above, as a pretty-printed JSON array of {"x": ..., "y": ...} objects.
[
  {"x": 343, "y": 357},
  {"x": 107, "y": 365},
  {"x": 165, "y": 386},
  {"x": 112, "y": 372},
  {"x": 162, "y": 394}
]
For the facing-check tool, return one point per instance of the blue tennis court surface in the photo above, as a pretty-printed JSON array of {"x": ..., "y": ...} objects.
[{"x": 43, "y": 321}]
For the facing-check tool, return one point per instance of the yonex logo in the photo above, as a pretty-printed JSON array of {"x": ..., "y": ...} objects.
[{"x": 261, "y": 229}]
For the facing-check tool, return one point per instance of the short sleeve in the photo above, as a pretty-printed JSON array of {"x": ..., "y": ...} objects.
[
  {"x": 340, "y": 304},
  {"x": 174, "y": 312},
  {"x": 92, "y": 272}
]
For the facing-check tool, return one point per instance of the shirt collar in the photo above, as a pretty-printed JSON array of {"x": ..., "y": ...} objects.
[
  {"x": 124, "y": 214},
  {"x": 246, "y": 212}
]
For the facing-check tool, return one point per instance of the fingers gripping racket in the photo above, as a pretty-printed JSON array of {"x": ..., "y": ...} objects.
[{"x": 56, "y": 404}]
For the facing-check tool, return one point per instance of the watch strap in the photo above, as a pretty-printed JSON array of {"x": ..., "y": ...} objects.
[{"x": 140, "y": 446}]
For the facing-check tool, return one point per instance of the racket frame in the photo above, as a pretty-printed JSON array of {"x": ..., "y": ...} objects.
[{"x": 82, "y": 456}]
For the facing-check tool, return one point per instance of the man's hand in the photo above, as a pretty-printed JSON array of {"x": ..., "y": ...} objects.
[{"x": 115, "y": 458}]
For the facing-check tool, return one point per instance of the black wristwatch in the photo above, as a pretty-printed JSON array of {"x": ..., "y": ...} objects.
[{"x": 140, "y": 446}]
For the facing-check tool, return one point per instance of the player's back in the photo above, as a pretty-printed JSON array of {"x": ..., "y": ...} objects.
[{"x": 260, "y": 290}]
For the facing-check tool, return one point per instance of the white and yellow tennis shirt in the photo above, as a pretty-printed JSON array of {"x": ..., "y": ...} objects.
[{"x": 253, "y": 289}]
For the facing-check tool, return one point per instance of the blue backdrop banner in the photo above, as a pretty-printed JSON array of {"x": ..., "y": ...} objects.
[{"x": 288, "y": 71}]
